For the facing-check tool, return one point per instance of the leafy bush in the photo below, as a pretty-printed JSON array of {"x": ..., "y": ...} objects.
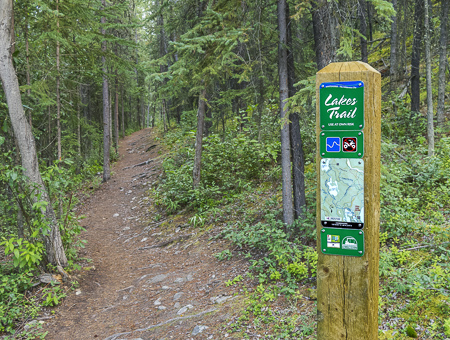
[
  {"x": 15, "y": 305},
  {"x": 414, "y": 188},
  {"x": 228, "y": 168},
  {"x": 281, "y": 258}
]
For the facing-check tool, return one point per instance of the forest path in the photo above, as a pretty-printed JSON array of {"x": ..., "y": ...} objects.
[{"x": 149, "y": 278}]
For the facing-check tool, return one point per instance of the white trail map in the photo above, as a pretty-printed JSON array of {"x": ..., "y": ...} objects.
[{"x": 342, "y": 192}]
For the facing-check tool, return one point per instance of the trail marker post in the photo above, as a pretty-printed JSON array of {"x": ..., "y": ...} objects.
[{"x": 348, "y": 133}]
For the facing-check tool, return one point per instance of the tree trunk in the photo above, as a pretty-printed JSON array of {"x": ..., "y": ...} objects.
[
  {"x": 324, "y": 33},
  {"x": 25, "y": 139},
  {"x": 288, "y": 209},
  {"x": 362, "y": 10},
  {"x": 430, "y": 126},
  {"x": 116, "y": 116},
  {"x": 415, "y": 57},
  {"x": 79, "y": 125},
  {"x": 123, "y": 112},
  {"x": 27, "y": 54},
  {"x": 208, "y": 120},
  {"x": 163, "y": 114},
  {"x": 298, "y": 161},
  {"x": 58, "y": 98},
  {"x": 393, "y": 61},
  {"x": 404, "y": 66},
  {"x": 50, "y": 153},
  {"x": 106, "y": 122},
  {"x": 199, "y": 138},
  {"x": 442, "y": 62}
]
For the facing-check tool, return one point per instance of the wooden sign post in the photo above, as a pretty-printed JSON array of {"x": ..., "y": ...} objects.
[{"x": 348, "y": 200}]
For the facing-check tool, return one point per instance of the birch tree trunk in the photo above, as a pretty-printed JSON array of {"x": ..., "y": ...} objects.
[
  {"x": 199, "y": 138},
  {"x": 106, "y": 122},
  {"x": 288, "y": 209},
  {"x": 430, "y": 126},
  {"x": 442, "y": 62},
  {"x": 22, "y": 131}
]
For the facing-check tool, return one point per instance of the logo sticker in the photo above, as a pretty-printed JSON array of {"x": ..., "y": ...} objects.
[
  {"x": 333, "y": 241},
  {"x": 349, "y": 243},
  {"x": 349, "y": 144},
  {"x": 333, "y": 144}
]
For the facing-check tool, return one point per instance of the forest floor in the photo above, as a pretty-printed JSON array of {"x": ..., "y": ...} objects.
[{"x": 144, "y": 277}]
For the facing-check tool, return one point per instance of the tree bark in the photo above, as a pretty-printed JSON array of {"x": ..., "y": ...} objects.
[
  {"x": 208, "y": 120},
  {"x": 415, "y": 57},
  {"x": 116, "y": 116},
  {"x": 430, "y": 126},
  {"x": 106, "y": 122},
  {"x": 27, "y": 57},
  {"x": 324, "y": 33},
  {"x": 298, "y": 161},
  {"x": 442, "y": 62},
  {"x": 288, "y": 209},
  {"x": 22, "y": 131},
  {"x": 362, "y": 9},
  {"x": 58, "y": 97},
  {"x": 123, "y": 113},
  {"x": 393, "y": 61},
  {"x": 79, "y": 125},
  {"x": 199, "y": 138}
]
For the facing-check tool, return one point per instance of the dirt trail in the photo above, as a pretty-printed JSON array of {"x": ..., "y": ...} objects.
[{"x": 148, "y": 279}]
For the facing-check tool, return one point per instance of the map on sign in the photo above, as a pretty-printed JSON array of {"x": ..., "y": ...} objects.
[{"x": 342, "y": 192}]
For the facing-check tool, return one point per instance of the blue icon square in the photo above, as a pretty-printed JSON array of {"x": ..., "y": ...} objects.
[{"x": 333, "y": 144}]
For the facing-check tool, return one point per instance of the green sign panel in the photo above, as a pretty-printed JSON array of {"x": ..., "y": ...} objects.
[
  {"x": 348, "y": 242},
  {"x": 342, "y": 144},
  {"x": 342, "y": 105}
]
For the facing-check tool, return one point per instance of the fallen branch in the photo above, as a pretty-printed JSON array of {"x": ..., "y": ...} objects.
[
  {"x": 151, "y": 147},
  {"x": 166, "y": 243},
  {"x": 139, "y": 164}
]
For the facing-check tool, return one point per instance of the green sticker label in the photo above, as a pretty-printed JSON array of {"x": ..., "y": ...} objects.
[
  {"x": 347, "y": 242},
  {"x": 341, "y": 144},
  {"x": 342, "y": 105}
]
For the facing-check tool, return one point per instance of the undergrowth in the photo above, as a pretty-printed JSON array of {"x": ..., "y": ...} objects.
[
  {"x": 22, "y": 295},
  {"x": 240, "y": 190}
]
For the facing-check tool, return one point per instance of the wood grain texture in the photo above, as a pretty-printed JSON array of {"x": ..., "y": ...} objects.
[{"x": 347, "y": 287}]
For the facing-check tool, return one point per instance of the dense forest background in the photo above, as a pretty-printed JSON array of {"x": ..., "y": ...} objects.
[{"x": 230, "y": 85}]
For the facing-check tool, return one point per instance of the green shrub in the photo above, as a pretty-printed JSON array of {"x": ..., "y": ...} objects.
[
  {"x": 227, "y": 169},
  {"x": 15, "y": 305}
]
